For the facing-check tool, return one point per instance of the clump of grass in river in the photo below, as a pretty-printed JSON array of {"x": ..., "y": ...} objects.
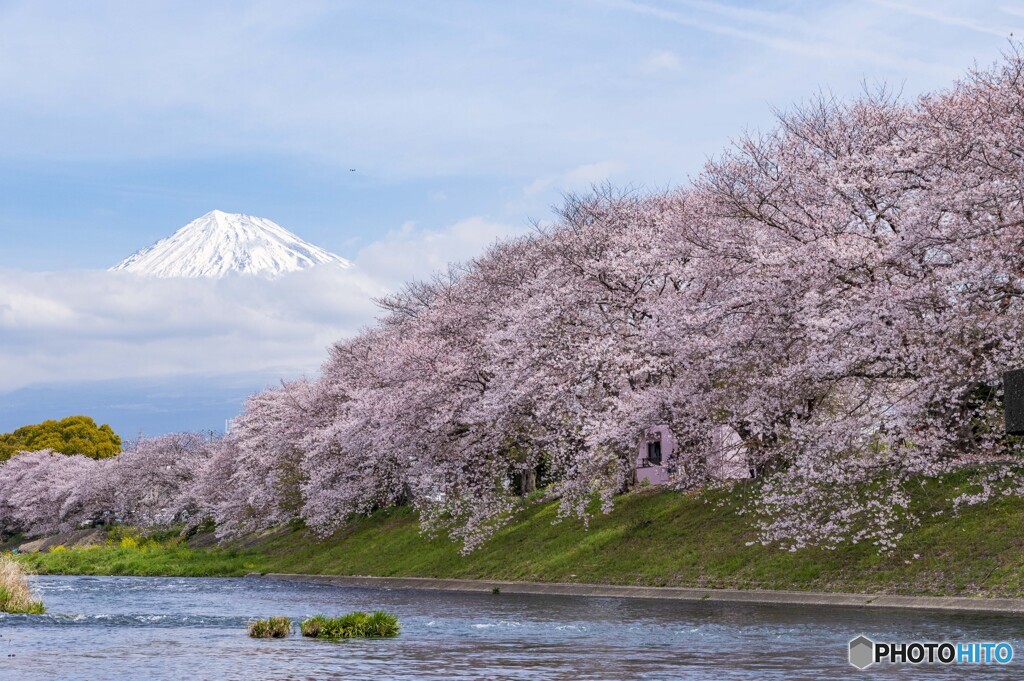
[
  {"x": 353, "y": 625},
  {"x": 15, "y": 592},
  {"x": 272, "y": 627}
]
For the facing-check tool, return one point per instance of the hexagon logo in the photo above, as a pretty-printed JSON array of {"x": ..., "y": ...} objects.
[{"x": 862, "y": 652}]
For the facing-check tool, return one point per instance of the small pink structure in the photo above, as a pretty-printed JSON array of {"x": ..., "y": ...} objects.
[
  {"x": 656, "y": 448},
  {"x": 725, "y": 461}
]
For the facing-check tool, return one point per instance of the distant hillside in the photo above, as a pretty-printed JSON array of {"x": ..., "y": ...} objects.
[{"x": 151, "y": 406}]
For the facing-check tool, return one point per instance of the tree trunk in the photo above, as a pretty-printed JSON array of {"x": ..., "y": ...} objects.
[{"x": 527, "y": 481}]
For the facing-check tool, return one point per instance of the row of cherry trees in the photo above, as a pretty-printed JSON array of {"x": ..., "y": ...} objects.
[
  {"x": 840, "y": 295},
  {"x": 154, "y": 483}
]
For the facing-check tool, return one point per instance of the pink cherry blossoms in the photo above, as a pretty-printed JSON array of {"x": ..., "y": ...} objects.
[
  {"x": 840, "y": 295},
  {"x": 154, "y": 483}
]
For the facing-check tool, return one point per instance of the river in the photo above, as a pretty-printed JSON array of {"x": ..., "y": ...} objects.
[{"x": 177, "y": 628}]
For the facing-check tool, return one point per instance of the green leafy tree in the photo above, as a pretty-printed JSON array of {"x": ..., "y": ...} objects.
[{"x": 72, "y": 435}]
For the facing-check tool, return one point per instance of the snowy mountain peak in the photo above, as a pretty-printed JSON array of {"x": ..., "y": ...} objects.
[{"x": 219, "y": 243}]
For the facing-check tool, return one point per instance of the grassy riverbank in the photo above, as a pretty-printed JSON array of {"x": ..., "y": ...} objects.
[
  {"x": 651, "y": 538},
  {"x": 146, "y": 558}
]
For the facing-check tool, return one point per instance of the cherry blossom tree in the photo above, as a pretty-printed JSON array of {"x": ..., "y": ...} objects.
[
  {"x": 253, "y": 478},
  {"x": 157, "y": 480},
  {"x": 152, "y": 484},
  {"x": 833, "y": 300},
  {"x": 38, "y": 492}
]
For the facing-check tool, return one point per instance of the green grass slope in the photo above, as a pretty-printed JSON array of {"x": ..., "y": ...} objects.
[{"x": 658, "y": 538}]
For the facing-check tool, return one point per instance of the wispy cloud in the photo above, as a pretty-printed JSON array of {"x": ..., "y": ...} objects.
[
  {"x": 771, "y": 30},
  {"x": 707, "y": 25},
  {"x": 411, "y": 253},
  {"x": 91, "y": 325},
  {"x": 663, "y": 60},
  {"x": 931, "y": 13},
  {"x": 579, "y": 178}
]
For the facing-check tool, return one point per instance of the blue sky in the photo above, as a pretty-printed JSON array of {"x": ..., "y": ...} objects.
[
  {"x": 464, "y": 121},
  {"x": 123, "y": 121}
]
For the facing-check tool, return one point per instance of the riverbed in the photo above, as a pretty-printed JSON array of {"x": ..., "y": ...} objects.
[{"x": 180, "y": 628}]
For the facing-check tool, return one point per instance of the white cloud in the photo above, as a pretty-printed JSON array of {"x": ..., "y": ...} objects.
[
  {"x": 947, "y": 18},
  {"x": 661, "y": 61},
  {"x": 96, "y": 325},
  {"x": 580, "y": 178},
  {"x": 411, "y": 253},
  {"x": 92, "y": 325}
]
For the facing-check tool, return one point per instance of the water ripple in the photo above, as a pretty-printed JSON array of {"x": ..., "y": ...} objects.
[{"x": 173, "y": 628}]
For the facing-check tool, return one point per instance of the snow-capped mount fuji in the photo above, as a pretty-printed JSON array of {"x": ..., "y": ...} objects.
[{"x": 219, "y": 244}]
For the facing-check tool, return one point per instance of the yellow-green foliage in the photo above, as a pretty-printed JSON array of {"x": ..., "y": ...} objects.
[
  {"x": 150, "y": 559},
  {"x": 273, "y": 627},
  {"x": 72, "y": 435},
  {"x": 132, "y": 539},
  {"x": 353, "y": 625},
  {"x": 15, "y": 594}
]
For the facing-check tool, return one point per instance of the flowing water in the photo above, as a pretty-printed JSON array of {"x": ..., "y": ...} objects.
[{"x": 175, "y": 628}]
